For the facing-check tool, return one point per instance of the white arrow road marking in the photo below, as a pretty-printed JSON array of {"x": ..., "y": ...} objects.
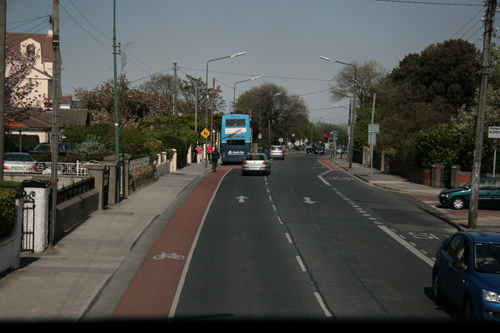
[
  {"x": 241, "y": 198},
  {"x": 308, "y": 200}
]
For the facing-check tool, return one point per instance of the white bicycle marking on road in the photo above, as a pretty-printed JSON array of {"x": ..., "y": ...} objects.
[{"x": 164, "y": 255}]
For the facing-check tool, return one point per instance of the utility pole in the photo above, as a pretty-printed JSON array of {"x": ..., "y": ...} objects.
[
  {"x": 3, "y": 32},
  {"x": 175, "y": 89},
  {"x": 485, "y": 67},
  {"x": 54, "y": 137},
  {"x": 212, "y": 114},
  {"x": 116, "y": 111}
]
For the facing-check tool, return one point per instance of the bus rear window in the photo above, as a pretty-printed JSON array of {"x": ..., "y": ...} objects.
[
  {"x": 235, "y": 123},
  {"x": 236, "y": 142}
]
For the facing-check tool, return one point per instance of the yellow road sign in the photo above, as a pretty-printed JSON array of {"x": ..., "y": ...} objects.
[{"x": 205, "y": 133}]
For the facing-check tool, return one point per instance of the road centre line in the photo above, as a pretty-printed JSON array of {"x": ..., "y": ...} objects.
[
  {"x": 322, "y": 304},
  {"x": 301, "y": 264}
]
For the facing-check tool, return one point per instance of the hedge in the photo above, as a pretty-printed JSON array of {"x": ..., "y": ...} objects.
[{"x": 8, "y": 211}]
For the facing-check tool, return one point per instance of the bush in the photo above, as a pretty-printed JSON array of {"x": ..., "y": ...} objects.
[
  {"x": 11, "y": 184},
  {"x": 8, "y": 211}
]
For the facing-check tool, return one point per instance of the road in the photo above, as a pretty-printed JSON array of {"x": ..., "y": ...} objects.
[{"x": 308, "y": 242}]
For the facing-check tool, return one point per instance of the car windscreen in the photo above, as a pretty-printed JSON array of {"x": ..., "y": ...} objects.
[{"x": 487, "y": 257}]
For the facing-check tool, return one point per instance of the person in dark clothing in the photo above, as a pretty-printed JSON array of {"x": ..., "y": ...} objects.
[{"x": 215, "y": 158}]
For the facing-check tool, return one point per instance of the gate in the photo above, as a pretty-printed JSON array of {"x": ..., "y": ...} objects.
[{"x": 28, "y": 226}]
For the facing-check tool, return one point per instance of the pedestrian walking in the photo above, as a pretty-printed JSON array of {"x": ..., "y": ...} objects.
[{"x": 199, "y": 156}]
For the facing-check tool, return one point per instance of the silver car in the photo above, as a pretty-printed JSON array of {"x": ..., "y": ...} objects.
[
  {"x": 277, "y": 152},
  {"x": 19, "y": 162},
  {"x": 256, "y": 162}
]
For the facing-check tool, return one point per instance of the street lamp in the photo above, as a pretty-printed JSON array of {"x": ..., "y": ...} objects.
[
  {"x": 353, "y": 116},
  {"x": 207, "y": 95},
  {"x": 234, "y": 89}
]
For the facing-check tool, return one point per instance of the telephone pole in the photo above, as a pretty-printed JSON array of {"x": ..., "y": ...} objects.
[
  {"x": 3, "y": 21},
  {"x": 54, "y": 137},
  {"x": 478, "y": 147}
]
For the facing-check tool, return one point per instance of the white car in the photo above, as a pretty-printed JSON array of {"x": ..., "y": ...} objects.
[
  {"x": 256, "y": 162},
  {"x": 18, "y": 162}
]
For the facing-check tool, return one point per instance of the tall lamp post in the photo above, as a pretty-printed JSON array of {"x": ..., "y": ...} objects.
[
  {"x": 234, "y": 88},
  {"x": 207, "y": 95},
  {"x": 353, "y": 113}
]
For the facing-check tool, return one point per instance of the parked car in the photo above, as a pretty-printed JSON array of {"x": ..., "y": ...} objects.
[
  {"x": 64, "y": 148},
  {"x": 458, "y": 198},
  {"x": 276, "y": 152},
  {"x": 319, "y": 150},
  {"x": 256, "y": 162},
  {"x": 467, "y": 273},
  {"x": 19, "y": 162},
  {"x": 309, "y": 149}
]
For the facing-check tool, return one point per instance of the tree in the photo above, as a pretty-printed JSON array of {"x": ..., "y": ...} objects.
[
  {"x": 368, "y": 75},
  {"x": 161, "y": 88},
  {"x": 445, "y": 70},
  {"x": 133, "y": 103},
  {"x": 274, "y": 113},
  {"x": 426, "y": 89},
  {"x": 193, "y": 93},
  {"x": 17, "y": 89}
]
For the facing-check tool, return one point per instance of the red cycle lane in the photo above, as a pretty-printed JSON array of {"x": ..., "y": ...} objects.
[{"x": 151, "y": 293}]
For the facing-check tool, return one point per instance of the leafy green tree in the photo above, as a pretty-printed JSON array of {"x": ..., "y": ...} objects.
[
  {"x": 274, "y": 112},
  {"x": 426, "y": 89},
  {"x": 445, "y": 70}
]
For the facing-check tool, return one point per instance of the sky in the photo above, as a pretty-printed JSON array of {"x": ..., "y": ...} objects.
[{"x": 283, "y": 40}]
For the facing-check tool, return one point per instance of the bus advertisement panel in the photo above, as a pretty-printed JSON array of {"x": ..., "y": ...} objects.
[{"x": 236, "y": 137}]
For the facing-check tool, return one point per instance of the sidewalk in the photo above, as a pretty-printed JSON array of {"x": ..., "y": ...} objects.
[{"x": 64, "y": 282}]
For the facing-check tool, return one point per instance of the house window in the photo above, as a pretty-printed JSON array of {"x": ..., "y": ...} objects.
[{"x": 30, "y": 50}]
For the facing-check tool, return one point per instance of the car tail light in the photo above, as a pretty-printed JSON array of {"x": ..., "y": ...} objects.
[
  {"x": 244, "y": 162},
  {"x": 265, "y": 163},
  {"x": 32, "y": 168}
]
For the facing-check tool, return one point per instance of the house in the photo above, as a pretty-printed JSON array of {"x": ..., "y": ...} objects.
[
  {"x": 40, "y": 118},
  {"x": 37, "y": 44},
  {"x": 40, "y": 121}
]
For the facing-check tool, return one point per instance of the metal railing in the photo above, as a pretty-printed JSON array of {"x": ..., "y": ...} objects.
[{"x": 78, "y": 168}]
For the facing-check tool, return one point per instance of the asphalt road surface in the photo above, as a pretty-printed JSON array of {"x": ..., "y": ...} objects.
[{"x": 308, "y": 242}]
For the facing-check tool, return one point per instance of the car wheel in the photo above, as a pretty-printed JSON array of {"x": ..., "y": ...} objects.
[
  {"x": 468, "y": 310},
  {"x": 243, "y": 173},
  {"x": 436, "y": 288},
  {"x": 457, "y": 203}
]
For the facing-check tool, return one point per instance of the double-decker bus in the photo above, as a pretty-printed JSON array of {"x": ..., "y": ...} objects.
[{"x": 236, "y": 137}]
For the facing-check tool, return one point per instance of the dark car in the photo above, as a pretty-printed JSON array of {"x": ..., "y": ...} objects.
[
  {"x": 319, "y": 150},
  {"x": 467, "y": 273},
  {"x": 458, "y": 198},
  {"x": 64, "y": 148}
]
